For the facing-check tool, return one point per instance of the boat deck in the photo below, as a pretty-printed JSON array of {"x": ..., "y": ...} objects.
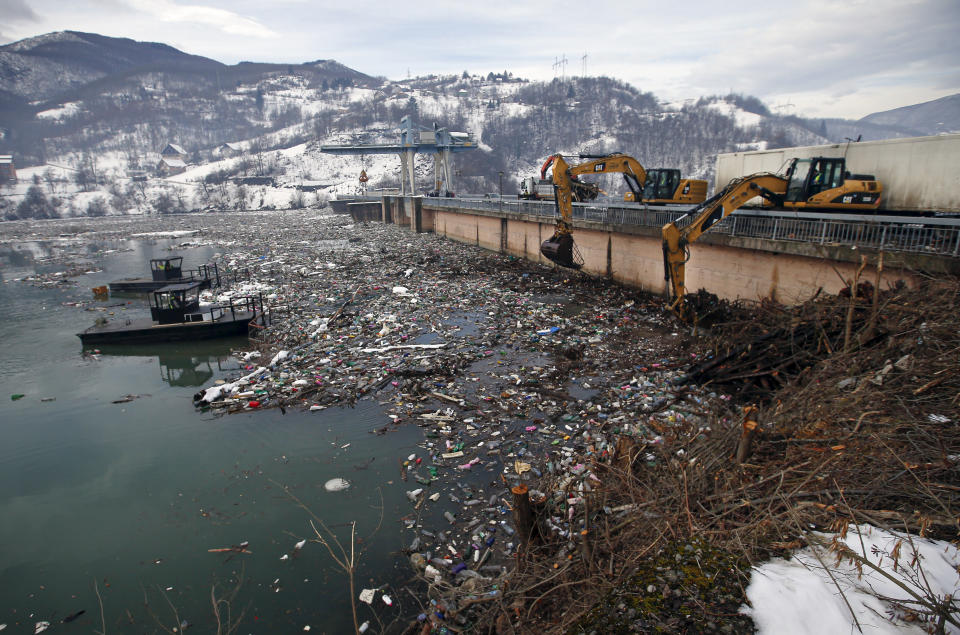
[
  {"x": 145, "y": 330},
  {"x": 145, "y": 285}
]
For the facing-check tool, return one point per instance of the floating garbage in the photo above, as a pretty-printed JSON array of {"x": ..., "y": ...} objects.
[
  {"x": 516, "y": 374},
  {"x": 336, "y": 485}
]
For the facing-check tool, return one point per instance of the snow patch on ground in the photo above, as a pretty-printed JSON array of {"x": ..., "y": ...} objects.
[
  {"x": 170, "y": 234},
  {"x": 66, "y": 110},
  {"x": 799, "y": 596},
  {"x": 743, "y": 118}
]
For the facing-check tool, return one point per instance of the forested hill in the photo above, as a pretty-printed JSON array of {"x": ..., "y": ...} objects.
[{"x": 103, "y": 107}]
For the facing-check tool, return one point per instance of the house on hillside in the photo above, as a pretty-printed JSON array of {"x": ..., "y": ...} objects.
[
  {"x": 7, "y": 170},
  {"x": 254, "y": 180},
  {"x": 227, "y": 150},
  {"x": 173, "y": 151},
  {"x": 313, "y": 186},
  {"x": 137, "y": 175},
  {"x": 169, "y": 167}
]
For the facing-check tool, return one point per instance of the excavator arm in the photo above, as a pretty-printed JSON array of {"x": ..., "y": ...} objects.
[
  {"x": 701, "y": 218},
  {"x": 560, "y": 247}
]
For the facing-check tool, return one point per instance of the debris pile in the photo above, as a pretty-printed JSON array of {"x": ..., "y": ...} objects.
[{"x": 862, "y": 428}]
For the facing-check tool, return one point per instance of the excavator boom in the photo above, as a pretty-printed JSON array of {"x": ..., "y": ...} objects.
[
  {"x": 560, "y": 247},
  {"x": 702, "y": 218}
]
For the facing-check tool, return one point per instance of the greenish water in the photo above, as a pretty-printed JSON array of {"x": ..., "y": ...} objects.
[{"x": 131, "y": 496}]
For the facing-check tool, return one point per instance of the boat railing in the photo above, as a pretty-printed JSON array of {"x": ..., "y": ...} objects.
[
  {"x": 217, "y": 279},
  {"x": 246, "y": 304},
  {"x": 225, "y": 278},
  {"x": 233, "y": 307}
]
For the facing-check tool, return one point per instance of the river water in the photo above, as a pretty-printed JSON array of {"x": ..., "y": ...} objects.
[{"x": 126, "y": 499}]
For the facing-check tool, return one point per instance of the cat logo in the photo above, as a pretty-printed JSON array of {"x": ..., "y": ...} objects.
[{"x": 600, "y": 167}]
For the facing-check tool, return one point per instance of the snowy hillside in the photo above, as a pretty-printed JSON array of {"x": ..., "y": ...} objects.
[{"x": 251, "y": 133}]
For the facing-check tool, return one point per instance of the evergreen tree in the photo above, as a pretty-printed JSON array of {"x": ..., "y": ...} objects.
[{"x": 35, "y": 204}]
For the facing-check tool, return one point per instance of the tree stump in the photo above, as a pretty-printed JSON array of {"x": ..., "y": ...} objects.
[
  {"x": 523, "y": 514},
  {"x": 750, "y": 429}
]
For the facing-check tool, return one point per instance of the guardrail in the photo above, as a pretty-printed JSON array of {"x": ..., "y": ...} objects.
[{"x": 940, "y": 236}]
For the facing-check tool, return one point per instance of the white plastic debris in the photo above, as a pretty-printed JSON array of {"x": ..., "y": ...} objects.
[
  {"x": 387, "y": 600},
  {"x": 300, "y": 545},
  {"x": 216, "y": 392},
  {"x": 336, "y": 485},
  {"x": 39, "y": 627},
  {"x": 367, "y": 595},
  {"x": 279, "y": 357},
  {"x": 284, "y": 557}
]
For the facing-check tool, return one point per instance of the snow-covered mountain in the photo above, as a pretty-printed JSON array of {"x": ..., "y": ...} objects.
[
  {"x": 929, "y": 118},
  {"x": 91, "y": 145},
  {"x": 42, "y": 67}
]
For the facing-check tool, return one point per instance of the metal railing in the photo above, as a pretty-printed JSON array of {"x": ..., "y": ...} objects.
[{"x": 929, "y": 235}]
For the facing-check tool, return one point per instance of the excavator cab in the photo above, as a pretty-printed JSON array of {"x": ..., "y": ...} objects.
[
  {"x": 661, "y": 183},
  {"x": 808, "y": 177}
]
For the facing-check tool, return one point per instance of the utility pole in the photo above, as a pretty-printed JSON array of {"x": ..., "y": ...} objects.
[
  {"x": 501, "y": 191},
  {"x": 584, "y": 61}
]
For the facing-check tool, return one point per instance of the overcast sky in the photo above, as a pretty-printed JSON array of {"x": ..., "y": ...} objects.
[{"x": 818, "y": 58}]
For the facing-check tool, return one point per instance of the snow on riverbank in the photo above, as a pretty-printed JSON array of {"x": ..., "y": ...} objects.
[{"x": 800, "y": 595}]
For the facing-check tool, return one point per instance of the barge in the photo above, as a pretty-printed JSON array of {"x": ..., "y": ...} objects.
[
  {"x": 167, "y": 271},
  {"x": 175, "y": 316}
]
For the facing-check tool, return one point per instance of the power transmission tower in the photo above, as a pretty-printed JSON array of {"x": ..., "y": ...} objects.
[{"x": 561, "y": 64}]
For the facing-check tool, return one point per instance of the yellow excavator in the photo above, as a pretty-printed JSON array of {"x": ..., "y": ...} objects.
[
  {"x": 560, "y": 247},
  {"x": 666, "y": 186},
  {"x": 816, "y": 183}
]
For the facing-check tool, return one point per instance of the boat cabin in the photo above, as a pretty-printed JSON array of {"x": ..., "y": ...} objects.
[
  {"x": 176, "y": 303},
  {"x": 166, "y": 268}
]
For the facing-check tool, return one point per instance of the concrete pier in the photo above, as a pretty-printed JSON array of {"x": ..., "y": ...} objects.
[{"x": 730, "y": 267}]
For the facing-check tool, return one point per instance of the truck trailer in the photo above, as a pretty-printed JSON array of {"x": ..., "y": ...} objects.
[
  {"x": 533, "y": 188},
  {"x": 920, "y": 175}
]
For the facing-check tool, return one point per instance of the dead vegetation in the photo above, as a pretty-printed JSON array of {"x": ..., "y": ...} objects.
[{"x": 845, "y": 411}]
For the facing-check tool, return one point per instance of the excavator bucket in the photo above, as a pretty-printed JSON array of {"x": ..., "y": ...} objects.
[{"x": 562, "y": 250}]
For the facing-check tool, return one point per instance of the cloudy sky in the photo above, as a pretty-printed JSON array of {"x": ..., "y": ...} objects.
[{"x": 818, "y": 58}]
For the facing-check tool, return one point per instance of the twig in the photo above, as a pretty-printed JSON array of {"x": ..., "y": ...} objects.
[
  {"x": 103, "y": 620},
  {"x": 832, "y": 578}
]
